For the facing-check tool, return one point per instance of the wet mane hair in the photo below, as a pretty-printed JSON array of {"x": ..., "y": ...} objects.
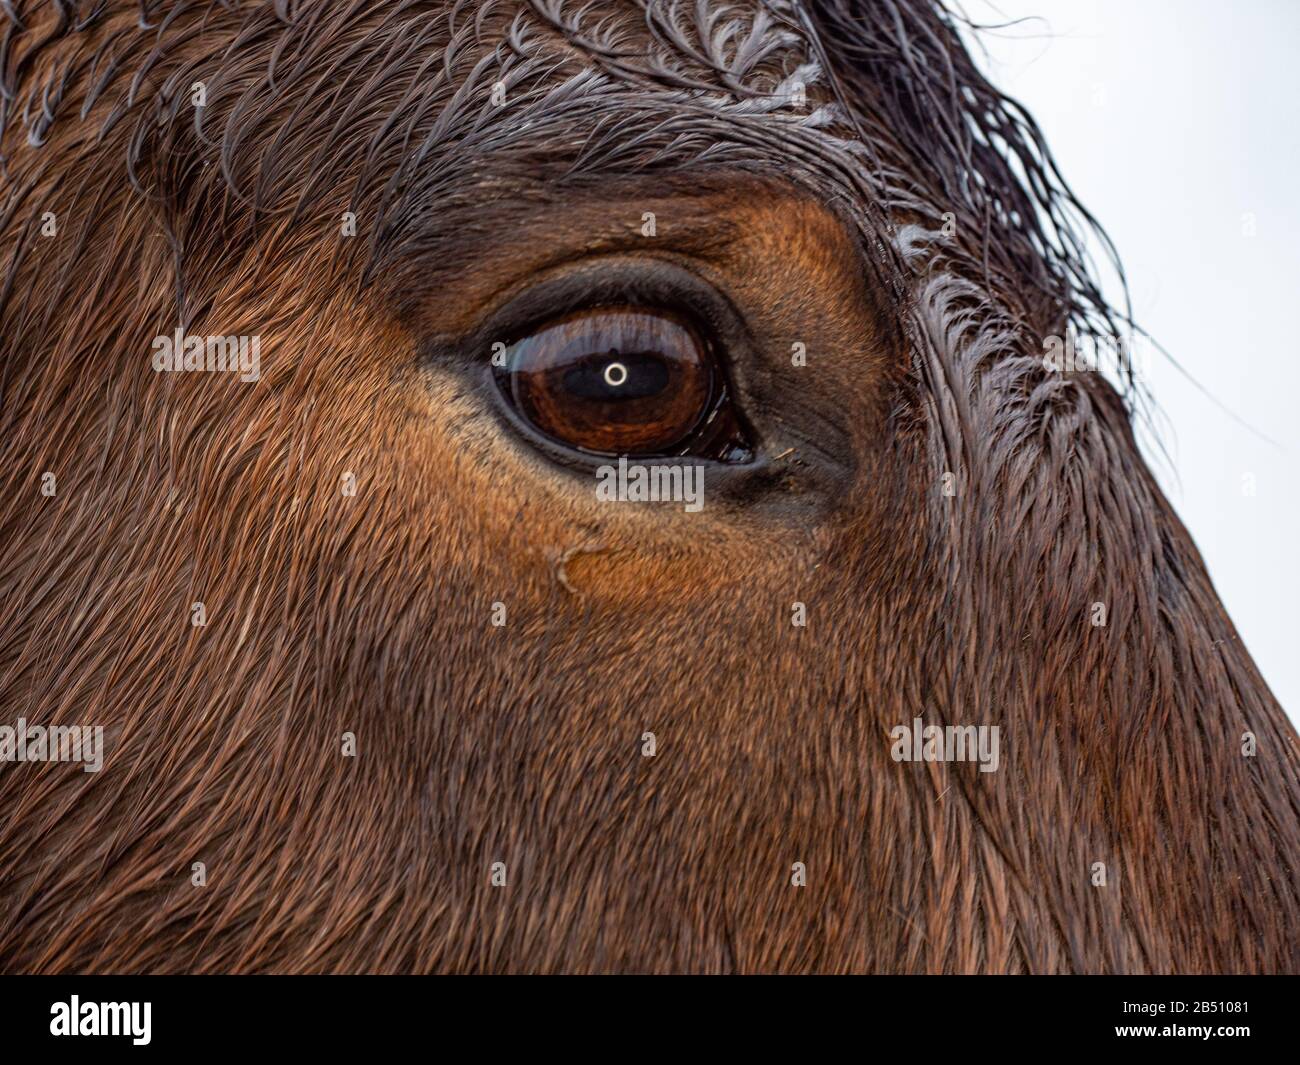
[{"x": 170, "y": 214}]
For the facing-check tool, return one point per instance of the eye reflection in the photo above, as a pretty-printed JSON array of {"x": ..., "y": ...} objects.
[{"x": 622, "y": 380}]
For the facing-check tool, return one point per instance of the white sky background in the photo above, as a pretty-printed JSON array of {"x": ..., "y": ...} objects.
[{"x": 1177, "y": 123}]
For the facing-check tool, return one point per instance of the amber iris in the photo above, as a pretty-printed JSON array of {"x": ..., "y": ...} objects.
[{"x": 614, "y": 380}]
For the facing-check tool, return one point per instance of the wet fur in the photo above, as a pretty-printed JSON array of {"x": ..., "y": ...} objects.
[{"x": 522, "y": 744}]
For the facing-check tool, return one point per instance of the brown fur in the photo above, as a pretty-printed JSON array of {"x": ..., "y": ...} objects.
[{"x": 522, "y": 744}]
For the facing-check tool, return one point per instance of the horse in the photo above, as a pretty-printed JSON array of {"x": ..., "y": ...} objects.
[{"x": 329, "y": 333}]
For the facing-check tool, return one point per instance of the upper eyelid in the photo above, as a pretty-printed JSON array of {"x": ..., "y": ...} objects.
[
  {"x": 629, "y": 323},
  {"x": 588, "y": 283}
]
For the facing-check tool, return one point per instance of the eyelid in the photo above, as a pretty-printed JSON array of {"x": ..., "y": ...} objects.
[{"x": 590, "y": 283}]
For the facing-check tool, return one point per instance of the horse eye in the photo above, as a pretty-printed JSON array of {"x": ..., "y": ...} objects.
[{"x": 624, "y": 381}]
